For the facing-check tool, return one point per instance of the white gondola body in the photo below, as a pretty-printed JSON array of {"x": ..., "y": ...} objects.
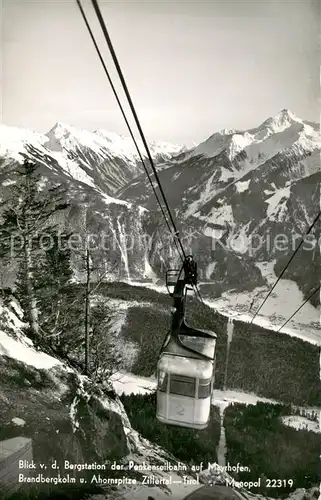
[{"x": 185, "y": 383}]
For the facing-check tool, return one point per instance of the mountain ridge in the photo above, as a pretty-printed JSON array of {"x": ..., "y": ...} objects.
[{"x": 241, "y": 190}]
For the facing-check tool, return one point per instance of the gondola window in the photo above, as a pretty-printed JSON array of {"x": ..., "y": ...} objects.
[
  {"x": 204, "y": 388},
  {"x": 183, "y": 386},
  {"x": 162, "y": 381}
]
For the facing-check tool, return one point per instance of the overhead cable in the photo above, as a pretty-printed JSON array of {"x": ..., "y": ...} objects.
[{"x": 122, "y": 110}]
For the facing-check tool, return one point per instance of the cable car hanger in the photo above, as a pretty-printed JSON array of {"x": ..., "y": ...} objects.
[
  {"x": 179, "y": 293},
  {"x": 185, "y": 375}
]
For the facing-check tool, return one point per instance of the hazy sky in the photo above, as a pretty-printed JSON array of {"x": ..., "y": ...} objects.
[{"x": 192, "y": 67}]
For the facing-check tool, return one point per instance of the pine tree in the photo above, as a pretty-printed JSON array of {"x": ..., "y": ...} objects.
[
  {"x": 52, "y": 282},
  {"x": 26, "y": 220}
]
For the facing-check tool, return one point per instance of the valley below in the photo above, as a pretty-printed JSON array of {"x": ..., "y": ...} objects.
[{"x": 81, "y": 326}]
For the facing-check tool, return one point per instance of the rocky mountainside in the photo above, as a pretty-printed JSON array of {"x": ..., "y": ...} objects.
[
  {"x": 130, "y": 240},
  {"x": 240, "y": 197},
  {"x": 92, "y": 212},
  {"x": 253, "y": 193},
  {"x": 70, "y": 418}
]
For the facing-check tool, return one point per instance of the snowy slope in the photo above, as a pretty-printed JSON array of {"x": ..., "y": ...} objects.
[
  {"x": 18, "y": 144},
  {"x": 21, "y": 348},
  {"x": 274, "y": 135},
  {"x": 14, "y": 141},
  {"x": 283, "y": 302},
  {"x": 119, "y": 144},
  {"x": 111, "y": 159},
  {"x": 298, "y": 423}
]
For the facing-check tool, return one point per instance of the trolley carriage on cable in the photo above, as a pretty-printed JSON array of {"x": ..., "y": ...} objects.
[{"x": 186, "y": 365}]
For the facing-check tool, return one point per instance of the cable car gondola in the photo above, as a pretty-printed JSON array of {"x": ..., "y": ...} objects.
[{"x": 186, "y": 365}]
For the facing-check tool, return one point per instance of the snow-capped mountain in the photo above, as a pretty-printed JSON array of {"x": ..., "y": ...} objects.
[
  {"x": 246, "y": 187},
  {"x": 234, "y": 187},
  {"x": 196, "y": 176},
  {"x": 111, "y": 159},
  {"x": 108, "y": 218},
  {"x": 102, "y": 159},
  {"x": 92, "y": 165},
  {"x": 235, "y": 141}
]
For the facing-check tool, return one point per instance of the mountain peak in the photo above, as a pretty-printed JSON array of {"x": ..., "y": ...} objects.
[
  {"x": 60, "y": 125},
  {"x": 286, "y": 114},
  {"x": 59, "y": 129},
  {"x": 278, "y": 123}
]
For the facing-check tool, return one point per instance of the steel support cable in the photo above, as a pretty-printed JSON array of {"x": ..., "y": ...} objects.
[
  {"x": 122, "y": 110},
  {"x": 298, "y": 309},
  {"x": 122, "y": 79},
  {"x": 199, "y": 294},
  {"x": 287, "y": 265}
]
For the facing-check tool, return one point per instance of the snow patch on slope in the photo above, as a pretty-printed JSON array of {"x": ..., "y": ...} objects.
[
  {"x": 110, "y": 200},
  {"x": 210, "y": 270},
  {"x": 148, "y": 271},
  {"x": 20, "y": 347},
  {"x": 220, "y": 216},
  {"x": 242, "y": 186},
  {"x": 300, "y": 423},
  {"x": 240, "y": 242},
  {"x": 27, "y": 354},
  {"x": 72, "y": 169},
  {"x": 18, "y": 421},
  {"x": 205, "y": 196},
  {"x": 127, "y": 383},
  {"x": 277, "y": 208},
  {"x": 73, "y": 414},
  {"x": 13, "y": 315}
]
